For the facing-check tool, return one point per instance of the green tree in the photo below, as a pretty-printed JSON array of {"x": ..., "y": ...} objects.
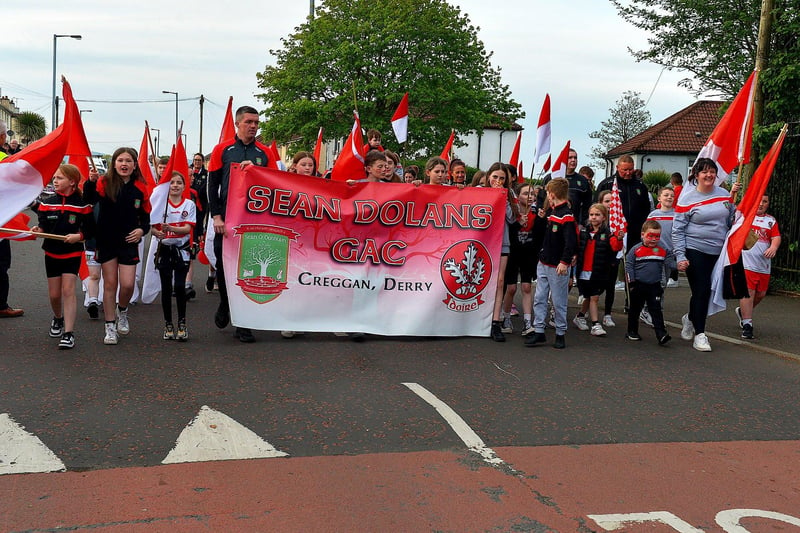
[
  {"x": 377, "y": 50},
  {"x": 629, "y": 118},
  {"x": 31, "y": 126}
]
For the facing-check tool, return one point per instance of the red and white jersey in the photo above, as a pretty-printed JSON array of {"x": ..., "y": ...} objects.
[
  {"x": 183, "y": 214},
  {"x": 765, "y": 227}
]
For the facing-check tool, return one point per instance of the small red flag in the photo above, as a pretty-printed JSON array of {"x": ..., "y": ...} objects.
[
  {"x": 449, "y": 146},
  {"x": 228, "y": 128},
  {"x": 350, "y": 163},
  {"x": 318, "y": 147}
]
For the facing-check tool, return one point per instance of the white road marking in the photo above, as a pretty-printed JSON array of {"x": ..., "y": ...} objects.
[
  {"x": 22, "y": 452},
  {"x": 464, "y": 432},
  {"x": 214, "y": 436},
  {"x": 612, "y": 522},
  {"x": 729, "y": 520}
]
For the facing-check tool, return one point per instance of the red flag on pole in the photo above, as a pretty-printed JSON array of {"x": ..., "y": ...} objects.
[
  {"x": 318, "y": 147},
  {"x": 147, "y": 158},
  {"x": 448, "y": 147},
  {"x": 274, "y": 156},
  {"x": 514, "y": 161},
  {"x": 559, "y": 169},
  {"x": 228, "y": 128},
  {"x": 350, "y": 163},
  {"x": 400, "y": 120},
  {"x": 730, "y": 142},
  {"x": 546, "y": 167},
  {"x": 543, "y": 131},
  {"x": 520, "y": 172},
  {"x": 616, "y": 218},
  {"x": 20, "y": 223}
]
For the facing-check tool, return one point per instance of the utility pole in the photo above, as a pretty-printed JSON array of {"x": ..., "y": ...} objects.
[
  {"x": 762, "y": 58},
  {"x": 202, "y": 101},
  {"x": 311, "y": 9}
]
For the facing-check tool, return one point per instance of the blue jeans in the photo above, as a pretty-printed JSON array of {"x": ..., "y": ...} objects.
[{"x": 550, "y": 284}]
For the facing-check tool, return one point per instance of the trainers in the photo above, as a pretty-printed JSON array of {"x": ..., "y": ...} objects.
[
  {"x": 580, "y": 323},
  {"x": 111, "y": 334},
  {"x": 287, "y": 334},
  {"x": 672, "y": 283},
  {"x": 645, "y": 317},
  {"x": 608, "y": 321},
  {"x": 123, "y": 327},
  {"x": 619, "y": 286},
  {"x": 190, "y": 293},
  {"x": 701, "y": 343},
  {"x": 664, "y": 339},
  {"x": 57, "y": 327},
  {"x": 560, "y": 342},
  {"x": 687, "y": 332},
  {"x": 747, "y": 330},
  {"x": 535, "y": 339},
  {"x": 551, "y": 320},
  {"x": 357, "y": 336},
  {"x": 598, "y": 331},
  {"x": 508, "y": 327},
  {"x": 210, "y": 284},
  {"x": 169, "y": 332},
  {"x": 527, "y": 328},
  {"x": 245, "y": 335},
  {"x": 222, "y": 317},
  {"x": 514, "y": 310},
  {"x": 633, "y": 336},
  {"x": 67, "y": 341},
  {"x": 182, "y": 334},
  {"x": 496, "y": 332},
  {"x": 738, "y": 312},
  {"x": 93, "y": 309}
]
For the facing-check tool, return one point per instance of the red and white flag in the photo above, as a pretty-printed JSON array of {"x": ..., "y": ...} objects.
[
  {"x": 350, "y": 163},
  {"x": 559, "y": 169},
  {"x": 745, "y": 214},
  {"x": 318, "y": 148},
  {"x": 24, "y": 174},
  {"x": 147, "y": 158},
  {"x": 448, "y": 147},
  {"x": 543, "y": 131},
  {"x": 520, "y": 172},
  {"x": 400, "y": 120},
  {"x": 514, "y": 160},
  {"x": 546, "y": 167},
  {"x": 228, "y": 130},
  {"x": 616, "y": 217},
  {"x": 20, "y": 224},
  {"x": 730, "y": 143}
]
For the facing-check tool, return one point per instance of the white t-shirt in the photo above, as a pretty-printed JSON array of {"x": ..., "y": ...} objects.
[
  {"x": 765, "y": 227},
  {"x": 182, "y": 214}
]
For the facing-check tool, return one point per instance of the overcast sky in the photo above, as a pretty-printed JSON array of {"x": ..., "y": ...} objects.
[{"x": 576, "y": 51}]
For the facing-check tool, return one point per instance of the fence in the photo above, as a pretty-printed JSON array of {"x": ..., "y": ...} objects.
[{"x": 784, "y": 199}]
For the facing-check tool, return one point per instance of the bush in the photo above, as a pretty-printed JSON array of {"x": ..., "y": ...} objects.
[{"x": 655, "y": 179}]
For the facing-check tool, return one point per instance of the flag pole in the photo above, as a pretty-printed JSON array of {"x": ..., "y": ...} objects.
[
  {"x": 40, "y": 234},
  {"x": 91, "y": 159},
  {"x": 355, "y": 100}
]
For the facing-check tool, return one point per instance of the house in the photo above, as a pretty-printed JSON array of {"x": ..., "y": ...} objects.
[
  {"x": 673, "y": 144},
  {"x": 492, "y": 145},
  {"x": 8, "y": 112}
]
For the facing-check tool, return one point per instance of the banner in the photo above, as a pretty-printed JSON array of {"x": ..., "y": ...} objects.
[{"x": 308, "y": 254}]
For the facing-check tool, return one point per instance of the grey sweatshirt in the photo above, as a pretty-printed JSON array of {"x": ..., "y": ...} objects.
[{"x": 701, "y": 221}]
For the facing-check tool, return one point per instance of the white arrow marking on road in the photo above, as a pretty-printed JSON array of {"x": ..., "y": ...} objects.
[
  {"x": 22, "y": 452},
  {"x": 464, "y": 432},
  {"x": 214, "y": 436}
]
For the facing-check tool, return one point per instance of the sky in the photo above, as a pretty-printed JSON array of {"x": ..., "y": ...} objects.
[{"x": 576, "y": 51}]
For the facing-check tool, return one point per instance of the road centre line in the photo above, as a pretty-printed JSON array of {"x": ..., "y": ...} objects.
[{"x": 464, "y": 432}]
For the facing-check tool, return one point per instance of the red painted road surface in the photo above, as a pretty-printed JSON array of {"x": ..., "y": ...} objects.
[{"x": 549, "y": 489}]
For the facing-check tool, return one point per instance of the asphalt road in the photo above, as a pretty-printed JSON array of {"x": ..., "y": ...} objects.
[{"x": 318, "y": 396}]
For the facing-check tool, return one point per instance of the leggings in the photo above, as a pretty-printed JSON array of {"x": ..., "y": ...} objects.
[
  {"x": 166, "y": 274},
  {"x": 701, "y": 267}
]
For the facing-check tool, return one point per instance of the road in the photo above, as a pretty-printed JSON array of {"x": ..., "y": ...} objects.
[{"x": 394, "y": 433}]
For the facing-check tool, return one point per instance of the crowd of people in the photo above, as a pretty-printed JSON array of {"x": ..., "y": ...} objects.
[{"x": 556, "y": 235}]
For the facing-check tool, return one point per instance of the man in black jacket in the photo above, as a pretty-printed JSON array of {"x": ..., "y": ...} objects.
[{"x": 633, "y": 195}]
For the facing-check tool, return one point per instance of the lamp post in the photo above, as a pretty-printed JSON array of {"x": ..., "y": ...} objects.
[
  {"x": 176, "y": 111},
  {"x": 156, "y": 141},
  {"x": 82, "y": 111},
  {"x": 53, "y": 101}
]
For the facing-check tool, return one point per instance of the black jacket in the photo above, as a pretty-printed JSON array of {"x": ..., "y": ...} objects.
[
  {"x": 635, "y": 199},
  {"x": 560, "y": 238},
  {"x": 62, "y": 215}
]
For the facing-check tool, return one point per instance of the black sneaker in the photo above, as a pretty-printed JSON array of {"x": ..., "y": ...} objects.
[
  {"x": 94, "y": 310},
  {"x": 664, "y": 339},
  {"x": 747, "y": 331},
  {"x": 182, "y": 334},
  {"x": 357, "y": 336},
  {"x": 67, "y": 341},
  {"x": 169, "y": 332},
  {"x": 535, "y": 339},
  {"x": 222, "y": 317},
  {"x": 633, "y": 336},
  {"x": 496, "y": 333},
  {"x": 190, "y": 293},
  {"x": 245, "y": 335},
  {"x": 57, "y": 327},
  {"x": 210, "y": 284},
  {"x": 560, "y": 342}
]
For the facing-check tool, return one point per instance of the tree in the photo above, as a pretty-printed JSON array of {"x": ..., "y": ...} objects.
[
  {"x": 31, "y": 126},
  {"x": 628, "y": 119},
  {"x": 376, "y": 50}
]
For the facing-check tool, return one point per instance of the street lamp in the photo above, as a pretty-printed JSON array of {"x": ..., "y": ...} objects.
[
  {"x": 54, "y": 101},
  {"x": 82, "y": 111},
  {"x": 156, "y": 141},
  {"x": 176, "y": 111}
]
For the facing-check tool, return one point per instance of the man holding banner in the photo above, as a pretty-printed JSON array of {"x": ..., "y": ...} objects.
[{"x": 245, "y": 150}]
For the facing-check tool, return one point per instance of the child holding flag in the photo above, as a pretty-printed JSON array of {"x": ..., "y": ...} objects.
[{"x": 64, "y": 213}]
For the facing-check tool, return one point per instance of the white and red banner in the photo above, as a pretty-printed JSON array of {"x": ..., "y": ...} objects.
[
  {"x": 400, "y": 120},
  {"x": 308, "y": 254},
  {"x": 543, "y": 132}
]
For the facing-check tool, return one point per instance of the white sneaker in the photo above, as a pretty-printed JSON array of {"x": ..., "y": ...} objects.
[
  {"x": 671, "y": 283},
  {"x": 687, "y": 332},
  {"x": 111, "y": 334},
  {"x": 123, "y": 327},
  {"x": 527, "y": 328},
  {"x": 645, "y": 317},
  {"x": 551, "y": 321},
  {"x": 580, "y": 300},
  {"x": 619, "y": 286},
  {"x": 580, "y": 323},
  {"x": 287, "y": 334},
  {"x": 598, "y": 331},
  {"x": 508, "y": 327},
  {"x": 701, "y": 343},
  {"x": 608, "y": 321}
]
